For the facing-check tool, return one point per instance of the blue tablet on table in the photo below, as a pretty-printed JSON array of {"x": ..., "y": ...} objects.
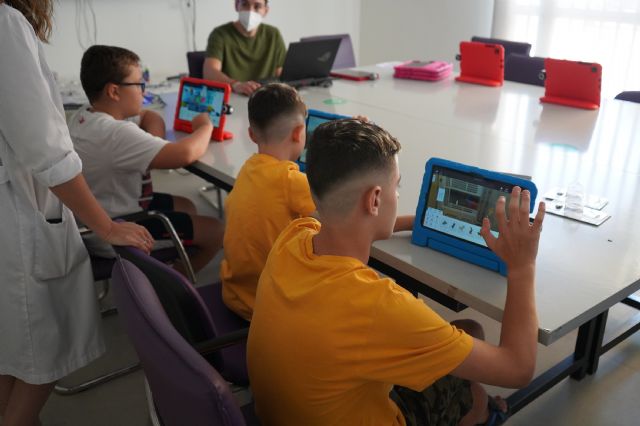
[
  {"x": 454, "y": 199},
  {"x": 314, "y": 119}
]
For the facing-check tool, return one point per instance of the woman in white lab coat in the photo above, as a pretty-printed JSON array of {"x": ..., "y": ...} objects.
[{"x": 49, "y": 318}]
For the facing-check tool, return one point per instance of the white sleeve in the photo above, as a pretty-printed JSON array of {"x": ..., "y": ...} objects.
[
  {"x": 30, "y": 122},
  {"x": 134, "y": 148}
]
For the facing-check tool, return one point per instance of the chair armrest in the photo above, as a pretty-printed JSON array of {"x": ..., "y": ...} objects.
[
  {"x": 209, "y": 347},
  {"x": 168, "y": 226}
]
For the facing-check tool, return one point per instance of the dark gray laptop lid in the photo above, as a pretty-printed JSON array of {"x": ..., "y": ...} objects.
[{"x": 309, "y": 59}]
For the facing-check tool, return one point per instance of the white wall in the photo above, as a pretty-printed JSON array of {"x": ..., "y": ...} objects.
[
  {"x": 158, "y": 30},
  {"x": 420, "y": 29}
]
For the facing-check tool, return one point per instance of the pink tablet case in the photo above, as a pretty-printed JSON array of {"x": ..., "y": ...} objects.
[{"x": 423, "y": 70}]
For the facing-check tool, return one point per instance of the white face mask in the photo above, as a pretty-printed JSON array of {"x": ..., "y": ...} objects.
[{"x": 249, "y": 20}]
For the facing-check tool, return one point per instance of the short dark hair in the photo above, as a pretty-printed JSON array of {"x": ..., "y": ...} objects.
[
  {"x": 341, "y": 149},
  {"x": 266, "y": 2},
  {"x": 104, "y": 64},
  {"x": 271, "y": 102}
]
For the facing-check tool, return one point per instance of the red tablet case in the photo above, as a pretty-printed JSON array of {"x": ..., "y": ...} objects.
[
  {"x": 572, "y": 83},
  {"x": 218, "y": 133},
  {"x": 354, "y": 75},
  {"x": 481, "y": 63}
]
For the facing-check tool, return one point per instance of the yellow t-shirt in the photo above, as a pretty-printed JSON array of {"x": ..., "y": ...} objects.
[
  {"x": 267, "y": 195},
  {"x": 329, "y": 339}
]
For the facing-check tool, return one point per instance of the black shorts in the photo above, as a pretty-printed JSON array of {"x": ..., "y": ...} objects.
[{"x": 163, "y": 203}]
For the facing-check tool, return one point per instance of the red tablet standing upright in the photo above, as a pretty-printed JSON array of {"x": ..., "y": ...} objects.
[
  {"x": 481, "y": 63},
  {"x": 572, "y": 83},
  {"x": 196, "y": 96}
]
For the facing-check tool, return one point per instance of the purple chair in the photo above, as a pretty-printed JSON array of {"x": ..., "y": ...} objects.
[
  {"x": 187, "y": 390},
  {"x": 345, "y": 57},
  {"x": 198, "y": 314},
  {"x": 102, "y": 266},
  {"x": 524, "y": 69},
  {"x": 631, "y": 96},
  {"x": 510, "y": 47},
  {"x": 195, "y": 61}
]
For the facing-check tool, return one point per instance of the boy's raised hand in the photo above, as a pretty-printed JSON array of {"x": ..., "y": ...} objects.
[
  {"x": 201, "y": 120},
  {"x": 517, "y": 242}
]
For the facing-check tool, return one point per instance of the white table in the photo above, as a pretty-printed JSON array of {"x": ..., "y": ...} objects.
[{"x": 582, "y": 270}]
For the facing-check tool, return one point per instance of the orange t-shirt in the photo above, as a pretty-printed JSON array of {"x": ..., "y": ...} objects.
[
  {"x": 267, "y": 195},
  {"x": 330, "y": 337}
]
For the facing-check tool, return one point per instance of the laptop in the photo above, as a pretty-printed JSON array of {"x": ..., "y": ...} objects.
[
  {"x": 572, "y": 83},
  {"x": 481, "y": 63},
  {"x": 454, "y": 199},
  {"x": 308, "y": 63}
]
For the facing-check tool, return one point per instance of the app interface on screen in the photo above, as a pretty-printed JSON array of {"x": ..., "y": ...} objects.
[
  {"x": 458, "y": 202},
  {"x": 312, "y": 123},
  {"x": 196, "y": 99}
]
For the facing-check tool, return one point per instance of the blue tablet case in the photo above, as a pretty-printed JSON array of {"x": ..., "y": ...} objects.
[
  {"x": 470, "y": 191},
  {"x": 314, "y": 119}
]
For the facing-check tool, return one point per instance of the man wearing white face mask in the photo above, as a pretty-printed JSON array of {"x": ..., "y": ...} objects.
[{"x": 245, "y": 50}]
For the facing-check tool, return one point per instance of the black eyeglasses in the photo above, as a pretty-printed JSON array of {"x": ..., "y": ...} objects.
[{"x": 142, "y": 85}]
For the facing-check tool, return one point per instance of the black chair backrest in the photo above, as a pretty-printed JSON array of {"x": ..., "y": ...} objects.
[
  {"x": 524, "y": 69},
  {"x": 195, "y": 60},
  {"x": 510, "y": 47},
  {"x": 632, "y": 96}
]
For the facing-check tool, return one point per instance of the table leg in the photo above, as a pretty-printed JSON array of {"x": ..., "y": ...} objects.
[
  {"x": 588, "y": 345},
  {"x": 596, "y": 350}
]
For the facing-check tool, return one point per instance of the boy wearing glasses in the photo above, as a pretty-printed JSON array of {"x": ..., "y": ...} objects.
[
  {"x": 119, "y": 143},
  {"x": 246, "y": 50}
]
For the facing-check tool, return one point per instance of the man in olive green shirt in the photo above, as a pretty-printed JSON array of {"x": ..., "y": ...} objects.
[{"x": 246, "y": 50}]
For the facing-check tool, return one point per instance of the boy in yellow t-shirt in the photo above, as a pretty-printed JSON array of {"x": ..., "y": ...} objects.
[
  {"x": 330, "y": 338},
  {"x": 268, "y": 194}
]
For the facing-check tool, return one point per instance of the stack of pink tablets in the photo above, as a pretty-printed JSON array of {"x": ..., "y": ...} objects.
[{"x": 423, "y": 70}]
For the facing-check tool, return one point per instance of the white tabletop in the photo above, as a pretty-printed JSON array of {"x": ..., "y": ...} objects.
[{"x": 582, "y": 270}]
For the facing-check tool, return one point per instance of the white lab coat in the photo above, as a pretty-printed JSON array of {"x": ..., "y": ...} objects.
[{"x": 49, "y": 318}]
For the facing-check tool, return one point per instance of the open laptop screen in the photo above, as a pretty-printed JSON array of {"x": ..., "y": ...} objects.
[{"x": 198, "y": 98}]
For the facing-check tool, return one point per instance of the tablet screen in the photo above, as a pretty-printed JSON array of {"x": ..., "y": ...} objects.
[
  {"x": 313, "y": 121},
  {"x": 198, "y": 98},
  {"x": 457, "y": 202}
]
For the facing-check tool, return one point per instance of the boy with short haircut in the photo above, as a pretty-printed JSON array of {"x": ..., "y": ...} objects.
[
  {"x": 269, "y": 192},
  {"x": 330, "y": 338},
  {"x": 119, "y": 143}
]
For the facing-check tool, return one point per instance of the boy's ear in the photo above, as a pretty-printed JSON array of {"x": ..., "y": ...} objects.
[
  {"x": 252, "y": 135},
  {"x": 372, "y": 200},
  {"x": 297, "y": 133},
  {"x": 111, "y": 91}
]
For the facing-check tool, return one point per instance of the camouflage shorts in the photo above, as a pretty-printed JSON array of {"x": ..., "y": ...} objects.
[{"x": 444, "y": 403}]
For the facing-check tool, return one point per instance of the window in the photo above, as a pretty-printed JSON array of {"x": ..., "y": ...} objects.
[{"x": 603, "y": 31}]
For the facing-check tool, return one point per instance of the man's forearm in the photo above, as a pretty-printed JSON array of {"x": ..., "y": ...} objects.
[{"x": 213, "y": 74}]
